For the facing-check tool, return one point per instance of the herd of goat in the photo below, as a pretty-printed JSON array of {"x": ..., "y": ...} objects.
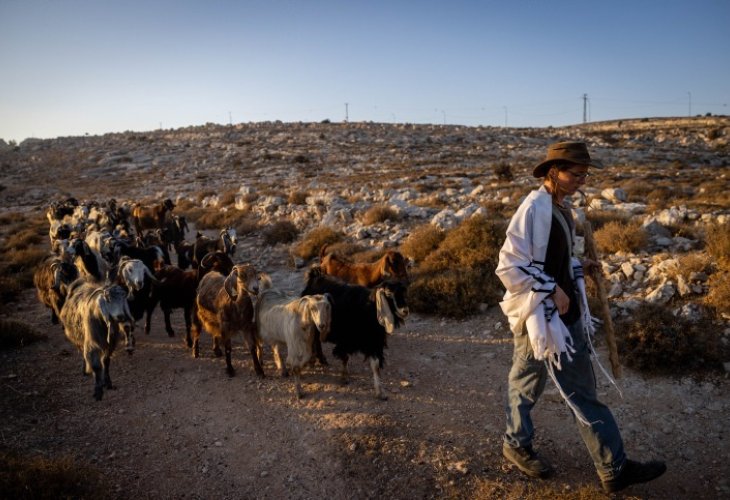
[{"x": 110, "y": 267}]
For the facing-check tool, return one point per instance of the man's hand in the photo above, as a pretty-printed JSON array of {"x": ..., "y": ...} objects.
[{"x": 562, "y": 302}]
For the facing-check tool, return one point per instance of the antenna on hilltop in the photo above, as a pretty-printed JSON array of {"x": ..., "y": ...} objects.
[
  {"x": 585, "y": 105},
  {"x": 347, "y": 115}
]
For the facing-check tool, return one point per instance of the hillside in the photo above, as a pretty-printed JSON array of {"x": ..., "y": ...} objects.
[{"x": 178, "y": 427}]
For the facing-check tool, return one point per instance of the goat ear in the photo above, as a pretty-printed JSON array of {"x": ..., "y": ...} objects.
[
  {"x": 230, "y": 284},
  {"x": 305, "y": 313},
  {"x": 385, "y": 314},
  {"x": 103, "y": 304}
]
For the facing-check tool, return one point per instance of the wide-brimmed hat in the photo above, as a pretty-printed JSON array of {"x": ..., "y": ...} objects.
[{"x": 561, "y": 152}]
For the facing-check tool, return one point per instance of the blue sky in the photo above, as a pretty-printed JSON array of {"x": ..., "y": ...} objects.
[{"x": 72, "y": 67}]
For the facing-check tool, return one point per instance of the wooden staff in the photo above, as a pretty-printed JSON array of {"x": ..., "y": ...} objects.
[{"x": 596, "y": 275}]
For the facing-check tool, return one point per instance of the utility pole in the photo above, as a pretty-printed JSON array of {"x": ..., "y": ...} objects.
[
  {"x": 347, "y": 114},
  {"x": 585, "y": 105},
  {"x": 690, "y": 104}
]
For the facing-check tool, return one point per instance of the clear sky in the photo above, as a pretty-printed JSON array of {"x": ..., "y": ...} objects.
[{"x": 72, "y": 67}]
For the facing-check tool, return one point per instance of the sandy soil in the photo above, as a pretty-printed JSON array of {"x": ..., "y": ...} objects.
[{"x": 177, "y": 427}]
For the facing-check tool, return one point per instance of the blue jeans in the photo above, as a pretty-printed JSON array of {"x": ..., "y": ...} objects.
[{"x": 526, "y": 383}]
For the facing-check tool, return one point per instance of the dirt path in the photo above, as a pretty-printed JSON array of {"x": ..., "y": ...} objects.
[{"x": 177, "y": 427}]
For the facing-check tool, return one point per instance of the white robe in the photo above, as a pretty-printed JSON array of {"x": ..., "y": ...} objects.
[{"x": 528, "y": 302}]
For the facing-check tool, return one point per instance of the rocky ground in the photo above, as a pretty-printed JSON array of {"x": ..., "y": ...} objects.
[{"x": 177, "y": 427}]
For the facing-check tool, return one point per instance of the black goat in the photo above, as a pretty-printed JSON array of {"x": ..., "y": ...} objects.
[{"x": 361, "y": 319}]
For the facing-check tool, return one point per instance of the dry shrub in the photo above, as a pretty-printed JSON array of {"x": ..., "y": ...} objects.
[
  {"x": 283, "y": 231},
  {"x": 503, "y": 171},
  {"x": 615, "y": 236},
  {"x": 659, "y": 197},
  {"x": 312, "y": 242},
  {"x": 25, "y": 476},
  {"x": 24, "y": 238},
  {"x": 214, "y": 218},
  {"x": 717, "y": 244},
  {"x": 348, "y": 250},
  {"x": 458, "y": 275},
  {"x": 298, "y": 198},
  {"x": 21, "y": 262},
  {"x": 599, "y": 218},
  {"x": 15, "y": 334},
  {"x": 713, "y": 193},
  {"x": 653, "y": 340},
  {"x": 379, "y": 213},
  {"x": 638, "y": 188},
  {"x": 687, "y": 264},
  {"x": 422, "y": 241},
  {"x": 204, "y": 194},
  {"x": 718, "y": 296},
  {"x": 10, "y": 288},
  {"x": 249, "y": 197},
  {"x": 228, "y": 198}
]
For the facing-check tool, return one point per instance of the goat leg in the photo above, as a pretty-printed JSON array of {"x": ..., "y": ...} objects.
[
  {"x": 344, "y": 376},
  {"x": 186, "y": 314},
  {"x": 105, "y": 361},
  {"x": 95, "y": 363},
  {"x": 229, "y": 366},
  {"x": 277, "y": 360},
  {"x": 318, "y": 352},
  {"x": 298, "y": 382},
  {"x": 375, "y": 367},
  {"x": 168, "y": 325}
]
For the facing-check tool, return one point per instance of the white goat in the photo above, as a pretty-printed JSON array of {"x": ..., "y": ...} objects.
[
  {"x": 93, "y": 316},
  {"x": 283, "y": 320}
]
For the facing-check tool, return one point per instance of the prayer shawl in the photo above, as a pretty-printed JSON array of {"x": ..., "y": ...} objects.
[{"x": 528, "y": 301}]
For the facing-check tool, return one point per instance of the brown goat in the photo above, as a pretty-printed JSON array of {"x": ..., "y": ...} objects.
[
  {"x": 151, "y": 217},
  {"x": 224, "y": 306},
  {"x": 392, "y": 265}
]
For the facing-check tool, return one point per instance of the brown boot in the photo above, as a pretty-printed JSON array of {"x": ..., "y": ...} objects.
[
  {"x": 528, "y": 461},
  {"x": 634, "y": 473}
]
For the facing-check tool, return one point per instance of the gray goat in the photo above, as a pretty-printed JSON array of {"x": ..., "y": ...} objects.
[{"x": 93, "y": 317}]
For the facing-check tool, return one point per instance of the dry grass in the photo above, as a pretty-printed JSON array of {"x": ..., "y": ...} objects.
[
  {"x": 312, "y": 242},
  {"x": 283, "y": 231},
  {"x": 379, "y": 213},
  {"x": 458, "y": 276},
  {"x": 503, "y": 171},
  {"x": 422, "y": 241},
  {"x": 694, "y": 262},
  {"x": 213, "y": 218},
  {"x": 25, "y": 246},
  {"x": 599, "y": 218},
  {"x": 298, "y": 198},
  {"x": 25, "y": 476},
  {"x": 652, "y": 340},
  {"x": 718, "y": 296},
  {"x": 15, "y": 334},
  {"x": 717, "y": 244},
  {"x": 628, "y": 237}
]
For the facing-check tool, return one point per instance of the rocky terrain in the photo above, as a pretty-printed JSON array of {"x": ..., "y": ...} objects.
[{"x": 179, "y": 428}]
